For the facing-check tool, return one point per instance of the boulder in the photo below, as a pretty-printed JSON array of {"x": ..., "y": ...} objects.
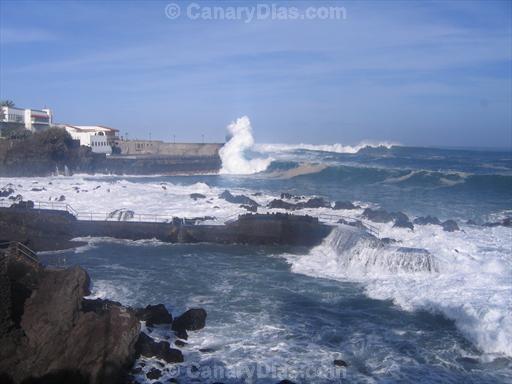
[
  {"x": 181, "y": 334},
  {"x": 450, "y": 226},
  {"x": 315, "y": 202},
  {"x": 340, "y": 363},
  {"x": 192, "y": 320},
  {"x": 280, "y": 204},
  {"x": 286, "y": 195},
  {"x": 238, "y": 199},
  {"x": 180, "y": 343},
  {"x": 62, "y": 338},
  {"x": 62, "y": 198},
  {"x": 344, "y": 205},
  {"x": 425, "y": 220},
  {"x": 148, "y": 347},
  {"x": 377, "y": 215},
  {"x": 154, "y": 314},
  {"x": 154, "y": 373},
  {"x": 250, "y": 208},
  {"x": 4, "y": 192},
  {"x": 196, "y": 196},
  {"x": 401, "y": 220}
]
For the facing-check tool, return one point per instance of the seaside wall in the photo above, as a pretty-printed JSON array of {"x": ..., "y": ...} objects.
[
  {"x": 50, "y": 229},
  {"x": 156, "y": 147}
]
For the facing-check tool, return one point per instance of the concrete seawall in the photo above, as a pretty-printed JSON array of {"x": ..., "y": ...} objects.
[
  {"x": 160, "y": 148},
  {"x": 52, "y": 229}
]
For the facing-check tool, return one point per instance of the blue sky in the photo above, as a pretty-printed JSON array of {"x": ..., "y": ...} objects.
[{"x": 418, "y": 73}]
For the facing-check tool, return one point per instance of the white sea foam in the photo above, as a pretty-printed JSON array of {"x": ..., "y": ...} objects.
[
  {"x": 473, "y": 285},
  {"x": 233, "y": 153},
  {"x": 336, "y": 148}
]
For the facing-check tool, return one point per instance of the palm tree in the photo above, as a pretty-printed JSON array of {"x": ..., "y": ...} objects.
[{"x": 7, "y": 103}]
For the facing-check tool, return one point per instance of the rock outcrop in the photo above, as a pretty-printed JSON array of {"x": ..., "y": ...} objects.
[
  {"x": 192, "y": 320},
  {"x": 154, "y": 315},
  {"x": 148, "y": 347},
  {"x": 238, "y": 199},
  {"x": 49, "y": 333}
]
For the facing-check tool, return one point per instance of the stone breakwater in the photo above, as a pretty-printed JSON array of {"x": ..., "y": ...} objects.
[{"x": 53, "y": 229}]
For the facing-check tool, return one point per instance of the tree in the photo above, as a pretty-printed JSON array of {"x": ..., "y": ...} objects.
[{"x": 7, "y": 103}]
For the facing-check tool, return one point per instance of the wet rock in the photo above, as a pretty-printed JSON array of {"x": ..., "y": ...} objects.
[
  {"x": 340, "y": 363},
  {"x": 62, "y": 198},
  {"x": 286, "y": 195},
  {"x": 147, "y": 346},
  {"x": 402, "y": 220},
  {"x": 57, "y": 340},
  {"x": 196, "y": 196},
  {"x": 471, "y": 222},
  {"x": 377, "y": 215},
  {"x": 154, "y": 315},
  {"x": 425, "y": 220},
  {"x": 257, "y": 194},
  {"x": 315, "y": 202},
  {"x": 250, "y": 208},
  {"x": 38, "y": 189},
  {"x": 96, "y": 187},
  {"x": 4, "y": 192},
  {"x": 180, "y": 343},
  {"x": 280, "y": 204},
  {"x": 450, "y": 226},
  {"x": 192, "y": 320},
  {"x": 344, "y": 205},
  {"x": 237, "y": 199},
  {"x": 181, "y": 334},
  {"x": 286, "y": 382},
  {"x": 154, "y": 373}
]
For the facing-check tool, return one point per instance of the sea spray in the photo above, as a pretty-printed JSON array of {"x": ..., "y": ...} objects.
[{"x": 233, "y": 154}]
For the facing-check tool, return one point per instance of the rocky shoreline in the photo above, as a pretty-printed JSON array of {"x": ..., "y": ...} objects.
[{"x": 51, "y": 332}]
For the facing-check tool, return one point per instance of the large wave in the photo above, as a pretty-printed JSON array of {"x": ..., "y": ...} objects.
[
  {"x": 336, "y": 148},
  {"x": 465, "y": 275},
  {"x": 233, "y": 153}
]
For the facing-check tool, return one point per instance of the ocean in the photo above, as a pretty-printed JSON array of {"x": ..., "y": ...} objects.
[{"x": 432, "y": 306}]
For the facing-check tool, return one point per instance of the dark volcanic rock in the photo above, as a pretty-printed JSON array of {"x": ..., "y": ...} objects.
[
  {"x": 340, "y": 363},
  {"x": 286, "y": 195},
  {"x": 450, "y": 226},
  {"x": 57, "y": 341},
  {"x": 377, "y": 215},
  {"x": 427, "y": 220},
  {"x": 148, "y": 347},
  {"x": 250, "y": 208},
  {"x": 192, "y": 320},
  {"x": 154, "y": 314},
  {"x": 154, "y": 374},
  {"x": 4, "y": 192},
  {"x": 402, "y": 220},
  {"x": 196, "y": 196},
  {"x": 280, "y": 204},
  {"x": 237, "y": 199},
  {"x": 315, "y": 202},
  {"x": 62, "y": 198},
  {"x": 179, "y": 343},
  {"x": 344, "y": 205},
  {"x": 181, "y": 334}
]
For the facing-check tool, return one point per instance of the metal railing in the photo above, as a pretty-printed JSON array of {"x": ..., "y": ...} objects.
[
  {"x": 334, "y": 219},
  {"x": 20, "y": 249}
]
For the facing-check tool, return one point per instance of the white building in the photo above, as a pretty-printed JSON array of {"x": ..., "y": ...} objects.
[
  {"x": 32, "y": 119},
  {"x": 98, "y": 137}
]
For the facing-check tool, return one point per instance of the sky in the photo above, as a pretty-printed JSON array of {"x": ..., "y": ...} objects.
[{"x": 436, "y": 73}]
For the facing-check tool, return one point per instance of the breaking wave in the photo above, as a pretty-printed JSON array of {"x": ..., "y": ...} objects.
[
  {"x": 233, "y": 153},
  {"x": 464, "y": 276},
  {"x": 335, "y": 148}
]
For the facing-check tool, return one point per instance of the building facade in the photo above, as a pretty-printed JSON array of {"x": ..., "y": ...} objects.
[
  {"x": 99, "y": 138},
  {"x": 34, "y": 120}
]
